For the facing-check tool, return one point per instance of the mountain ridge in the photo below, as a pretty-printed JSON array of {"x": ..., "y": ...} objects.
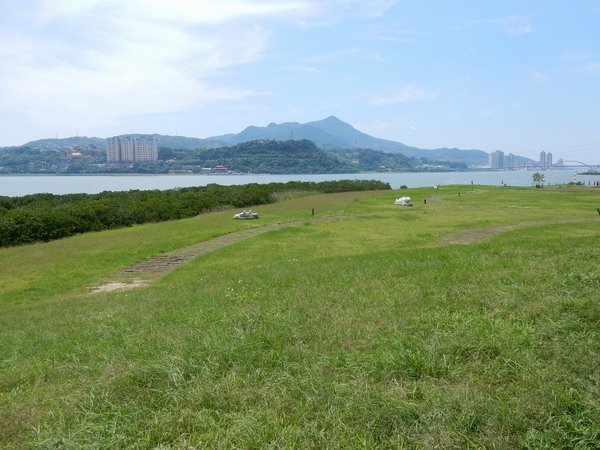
[{"x": 329, "y": 133}]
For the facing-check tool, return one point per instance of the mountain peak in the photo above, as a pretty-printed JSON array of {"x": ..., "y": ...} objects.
[
  {"x": 332, "y": 121},
  {"x": 334, "y": 126}
]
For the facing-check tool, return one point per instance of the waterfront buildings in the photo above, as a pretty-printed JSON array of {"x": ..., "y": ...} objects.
[
  {"x": 542, "y": 159},
  {"x": 510, "y": 161},
  {"x": 128, "y": 148},
  {"x": 113, "y": 152},
  {"x": 545, "y": 159},
  {"x": 497, "y": 160},
  {"x": 500, "y": 161}
]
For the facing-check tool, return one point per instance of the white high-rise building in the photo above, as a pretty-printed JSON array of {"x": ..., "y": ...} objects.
[
  {"x": 542, "y": 159},
  {"x": 127, "y": 144},
  {"x": 131, "y": 149},
  {"x": 113, "y": 150},
  {"x": 497, "y": 160},
  {"x": 146, "y": 150},
  {"x": 549, "y": 159},
  {"x": 510, "y": 161}
]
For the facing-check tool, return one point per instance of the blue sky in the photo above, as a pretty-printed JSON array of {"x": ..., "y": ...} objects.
[{"x": 520, "y": 76}]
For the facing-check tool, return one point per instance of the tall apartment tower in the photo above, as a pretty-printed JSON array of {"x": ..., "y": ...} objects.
[
  {"x": 146, "y": 149},
  {"x": 497, "y": 160},
  {"x": 510, "y": 161},
  {"x": 543, "y": 159},
  {"x": 549, "y": 159},
  {"x": 113, "y": 150},
  {"x": 127, "y": 144},
  {"x": 131, "y": 149}
]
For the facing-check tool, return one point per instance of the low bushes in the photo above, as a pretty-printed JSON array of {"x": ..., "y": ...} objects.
[{"x": 44, "y": 217}]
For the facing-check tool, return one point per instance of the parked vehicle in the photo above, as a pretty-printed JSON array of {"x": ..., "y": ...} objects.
[{"x": 246, "y": 215}]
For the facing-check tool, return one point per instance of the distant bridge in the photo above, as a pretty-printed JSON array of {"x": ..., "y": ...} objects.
[
  {"x": 580, "y": 164},
  {"x": 571, "y": 163}
]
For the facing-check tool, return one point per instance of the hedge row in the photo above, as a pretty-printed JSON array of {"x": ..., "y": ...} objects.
[{"x": 44, "y": 217}]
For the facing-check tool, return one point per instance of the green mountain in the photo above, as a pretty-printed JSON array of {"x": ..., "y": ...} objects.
[
  {"x": 333, "y": 133},
  {"x": 258, "y": 156},
  {"x": 329, "y": 134},
  {"x": 299, "y": 156},
  {"x": 266, "y": 156}
]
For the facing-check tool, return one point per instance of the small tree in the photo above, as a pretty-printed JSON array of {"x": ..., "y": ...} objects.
[{"x": 538, "y": 179}]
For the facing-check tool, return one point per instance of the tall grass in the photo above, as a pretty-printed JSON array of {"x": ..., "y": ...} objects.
[{"x": 367, "y": 332}]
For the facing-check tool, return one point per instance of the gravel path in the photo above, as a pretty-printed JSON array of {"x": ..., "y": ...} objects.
[{"x": 142, "y": 273}]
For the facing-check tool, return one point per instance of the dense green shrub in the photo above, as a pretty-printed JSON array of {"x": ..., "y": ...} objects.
[{"x": 44, "y": 217}]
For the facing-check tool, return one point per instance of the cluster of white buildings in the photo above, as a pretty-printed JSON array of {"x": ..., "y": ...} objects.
[
  {"x": 499, "y": 161},
  {"x": 545, "y": 159},
  {"x": 127, "y": 148}
]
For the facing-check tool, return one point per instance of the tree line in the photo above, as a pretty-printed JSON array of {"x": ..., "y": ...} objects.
[{"x": 44, "y": 217}]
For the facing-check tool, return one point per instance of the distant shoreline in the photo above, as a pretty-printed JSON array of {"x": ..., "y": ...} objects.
[
  {"x": 350, "y": 174},
  {"x": 133, "y": 174}
]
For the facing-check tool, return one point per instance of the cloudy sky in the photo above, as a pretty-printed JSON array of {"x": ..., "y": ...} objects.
[{"x": 521, "y": 76}]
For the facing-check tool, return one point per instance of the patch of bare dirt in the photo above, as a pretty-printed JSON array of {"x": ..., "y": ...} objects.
[
  {"x": 159, "y": 265},
  {"x": 112, "y": 286},
  {"x": 479, "y": 234}
]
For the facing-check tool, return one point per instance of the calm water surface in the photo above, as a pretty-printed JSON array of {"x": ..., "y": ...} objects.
[{"x": 33, "y": 184}]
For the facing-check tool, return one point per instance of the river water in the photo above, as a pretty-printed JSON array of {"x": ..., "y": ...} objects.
[{"x": 32, "y": 184}]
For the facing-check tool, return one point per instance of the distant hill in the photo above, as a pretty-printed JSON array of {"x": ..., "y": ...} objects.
[
  {"x": 298, "y": 156},
  {"x": 329, "y": 134},
  {"x": 80, "y": 141},
  {"x": 258, "y": 156},
  {"x": 267, "y": 156},
  {"x": 188, "y": 143},
  {"x": 334, "y": 133}
]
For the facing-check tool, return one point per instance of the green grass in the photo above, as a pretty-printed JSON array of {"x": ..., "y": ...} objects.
[{"x": 363, "y": 332}]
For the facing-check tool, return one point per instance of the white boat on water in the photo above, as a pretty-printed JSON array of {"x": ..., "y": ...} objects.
[{"x": 246, "y": 215}]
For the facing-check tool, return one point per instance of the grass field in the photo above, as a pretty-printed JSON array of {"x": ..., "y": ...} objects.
[{"x": 373, "y": 330}]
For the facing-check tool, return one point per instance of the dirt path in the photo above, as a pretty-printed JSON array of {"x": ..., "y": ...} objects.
[
  {"x": 142, "y": 273},
  {"x": 478, "y": 234},
  {"x": 433, "y": 199}
]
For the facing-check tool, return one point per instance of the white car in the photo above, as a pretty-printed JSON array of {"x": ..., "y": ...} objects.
[{"x": 246, "y": 215}]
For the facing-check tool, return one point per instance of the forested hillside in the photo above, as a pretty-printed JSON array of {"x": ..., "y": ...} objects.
[{"x": 266, "y": 156}]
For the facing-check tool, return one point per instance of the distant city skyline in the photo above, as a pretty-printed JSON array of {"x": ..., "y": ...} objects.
[{"x": 521, "y": 77}]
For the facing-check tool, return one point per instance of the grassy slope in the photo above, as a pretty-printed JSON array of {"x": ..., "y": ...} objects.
[{"x": 361, "y": 332}]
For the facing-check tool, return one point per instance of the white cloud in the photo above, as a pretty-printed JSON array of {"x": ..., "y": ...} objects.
[
  {"x": 330, "y": 12},
  {"x": 514, "y": 25},
  {"x": 305, "y": 69},
  {"x": 519, "y": 29},
  {"x": 590, "y": 68},
  {"x": 539, "y": 76},
  {"x": 182, "y": 11},
  {"x": 342, "y": 54},
  {"x": 404, "y": 94},
  {"x": 93, "y": 62}
]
